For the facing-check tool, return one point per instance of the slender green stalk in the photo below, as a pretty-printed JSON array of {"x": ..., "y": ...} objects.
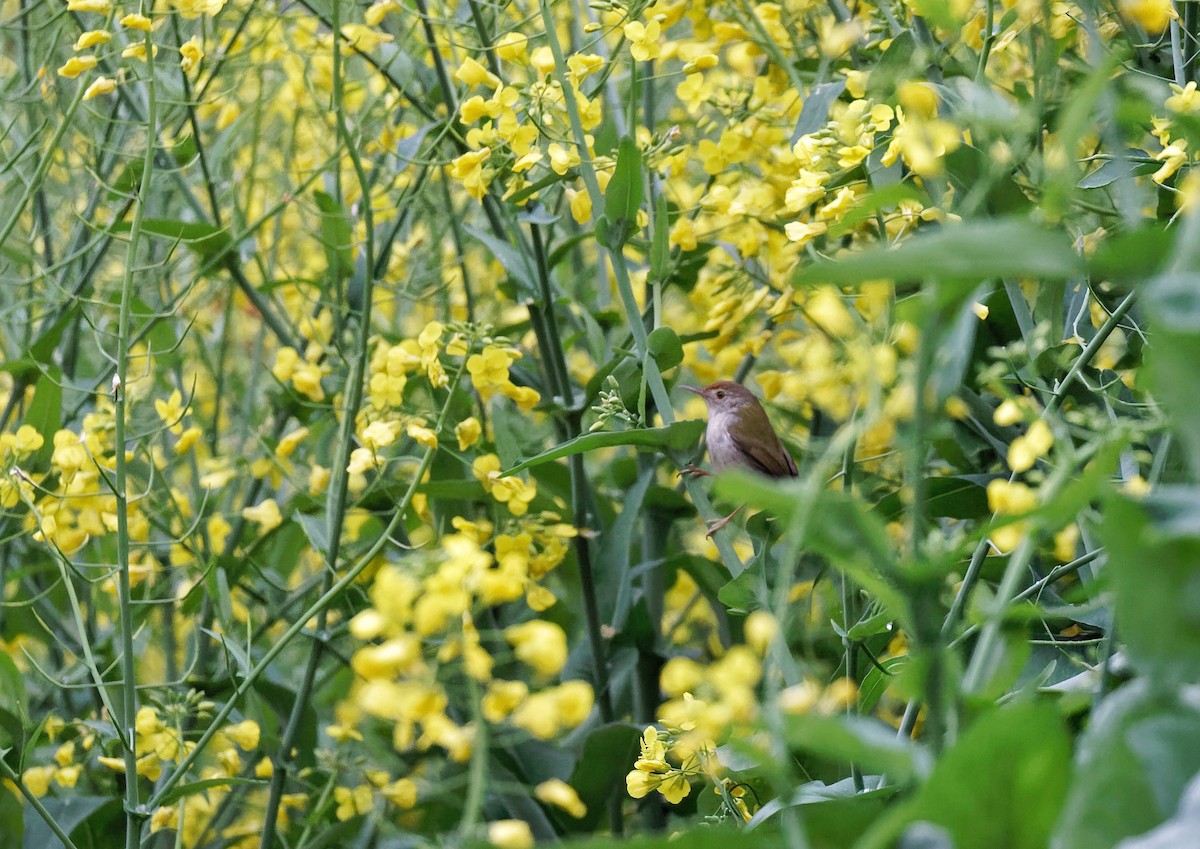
[
  {"x": 477, "y": 776},
  {"x": 134, "y": 814},
  {"x": 989, "y": 38},
  {"x": 927, "y": 621},
  {"x": 850, "y": 613}
]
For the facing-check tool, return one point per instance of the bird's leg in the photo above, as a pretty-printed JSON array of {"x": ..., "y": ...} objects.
[
  {"x": 693, "y": 471},
  {"x": 716, "y": 524}
]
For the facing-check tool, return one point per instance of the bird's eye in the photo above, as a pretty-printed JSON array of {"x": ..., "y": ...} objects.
[{"x": 720, "y": 393}]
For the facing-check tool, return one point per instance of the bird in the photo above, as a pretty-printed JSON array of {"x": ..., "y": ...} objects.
[{"x": 739, "y": 435}]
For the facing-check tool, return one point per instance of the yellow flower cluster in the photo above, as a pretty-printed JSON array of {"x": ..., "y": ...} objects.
[{"x": 419, "y": 625}]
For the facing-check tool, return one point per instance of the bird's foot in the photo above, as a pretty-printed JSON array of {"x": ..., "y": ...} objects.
[
  {"x": 715, "y": 525},
  {"x": 691, "y": 470}
]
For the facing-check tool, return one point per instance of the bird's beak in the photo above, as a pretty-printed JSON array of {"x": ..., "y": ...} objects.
[{"x": 692, "y": 389}]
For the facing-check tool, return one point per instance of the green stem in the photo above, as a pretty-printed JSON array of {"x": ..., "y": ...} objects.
[
  {"x": 134, "y": 813},
  {"x": 850, "y": 613},
  {"x": 927, "y": 622},
  {"x": 477, "y": 777}
]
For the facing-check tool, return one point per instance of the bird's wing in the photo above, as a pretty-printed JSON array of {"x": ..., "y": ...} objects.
[{"x": 766, "y": 461}]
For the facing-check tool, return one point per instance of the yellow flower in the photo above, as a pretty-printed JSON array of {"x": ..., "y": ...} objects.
[
  {"x": 800, "y": 698},
  {"x": 245, "y": 733},
  {"x": 377, "y": 11},
  {"x": 640, "y": 784},
  {"x": 502, "y": 698},
  {"x": 1153, "y": 15},
  {"x": 138, "y": 51},
  {"x": 700, "y": 63},
  {"x": 467, "y": 432},
  {"x": 489, "y": 370},
  {"x": 195, "y": 8},
  {"x": 100, "y": 7},
  {"x": 77, "y": 65},
  {"x": 402, "y": 793},
  {"x": 540, "y": 644},
  {"x": 91, "y": 38},
  {"x": 363, "y": 38},
  {"x": 171, "y": 411},
  {"x": 1172, "y": 157},
  {"x": 1010, "y": 498},
  {"x": 674, "y": 787},
  {"x": 468, "y": 169},
  {"x": 760, "y": 629},
  {"x": 510, "y": 834},
  {"x": 573, "y": 701},
  {"x": 472, "y": 73},
  {"x": 1025, "y": 450},
  {"x": 1010, "y": 412},
  {"x": 511, "y": 48},
  {"x": 644, "y": 40},
  {"x": 558, "y": 793},
  {"x": 190, "y": 53},
  {"x": 1184, "y": 100},
  {"x": 37, "y": 779},
  {"x": 137, "y": 22},
  {"x": 164, "y": 818},
  {"x": 422, "y": 435},
  {"x": 352, "y": 802},
  {"x": 266, "y": 514}
]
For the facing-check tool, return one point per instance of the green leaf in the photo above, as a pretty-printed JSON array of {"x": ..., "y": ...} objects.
[
  {"x": 1133, "y": 256},
  {"x": 69, "y": 812},
  {"x": 1136, "y": 757},
  {"x": 1075, "y": 120},
  {"x": 13, "y": 713},
  {"x": 1002, "y": 783},
  {"x": 514, "y": 262},
  {"x": 855, "y": 739},
  {"x": 896, "y": 64},
  {"x": 336, "y": 236},
  {"x": 1132, "y": 164},
  {"x": 207, "y": 240},
  {"x": 1173, "y": 303},
  {"x": 664, "y": 346},
  {"x": 1154, "y": 546},
  {"x": 612, "y": 574},
  {"x": 945, "y": 497},
  {"x": 608, "y": 755},
  {"x": 316, "y": 528},
  {"x": 623, "y": 195},
  {"x": 179, "y": 791},
  {"x": 815, "y": 113},
  {"x": 679, "y": 436},
  {"x": 963, "y": 253},
  {"x": 45, "y": 415},
  {"x": 1180, "y": 830},
  {"x": 660, "y": 249}
]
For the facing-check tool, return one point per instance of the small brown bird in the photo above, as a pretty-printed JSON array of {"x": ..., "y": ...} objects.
[{"x": 739, "y": 435}]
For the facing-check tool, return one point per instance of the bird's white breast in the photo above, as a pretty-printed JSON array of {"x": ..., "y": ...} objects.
[{"x": 723, "y": 452}]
